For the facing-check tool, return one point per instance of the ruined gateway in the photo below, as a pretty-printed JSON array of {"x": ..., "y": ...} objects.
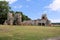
[{"x": 17, "y": 20}]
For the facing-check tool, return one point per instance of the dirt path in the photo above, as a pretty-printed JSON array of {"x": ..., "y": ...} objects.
[{"x": 55, "y": 38}]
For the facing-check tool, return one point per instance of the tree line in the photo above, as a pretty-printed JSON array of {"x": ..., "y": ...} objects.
[{"x": 5, "y": 9}]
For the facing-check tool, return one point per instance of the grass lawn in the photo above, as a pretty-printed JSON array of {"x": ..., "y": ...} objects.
[{"x": 28, "y": 32}]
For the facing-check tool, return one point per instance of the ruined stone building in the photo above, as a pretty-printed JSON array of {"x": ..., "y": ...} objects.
[
  {"x": 17, "y": 20},
  {"x": 44, "y": 21}
]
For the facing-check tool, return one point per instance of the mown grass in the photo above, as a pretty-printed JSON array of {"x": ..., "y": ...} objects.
[{"x": 28, "y": 32}]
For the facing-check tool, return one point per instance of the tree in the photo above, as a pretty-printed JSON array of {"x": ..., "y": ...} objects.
[
  {"x": 4, "y": 9},
  {"x": 24, "y": 17}
]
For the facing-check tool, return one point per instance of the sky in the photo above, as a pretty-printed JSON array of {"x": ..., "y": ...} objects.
[{"x": 35, "y": 8}]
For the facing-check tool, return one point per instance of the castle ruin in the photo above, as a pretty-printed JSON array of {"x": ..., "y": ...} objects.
[{"x": 17, "y": 20}]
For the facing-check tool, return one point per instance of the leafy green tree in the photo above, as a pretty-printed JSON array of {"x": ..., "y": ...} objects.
[
  {"x": 4, "y": 9},
  {"x": 24, "y": 17}
]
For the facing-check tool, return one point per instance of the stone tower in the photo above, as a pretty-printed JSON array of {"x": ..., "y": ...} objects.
[
  {"x": 17, "y": 19},
  {"x": 10, "y": 19}
]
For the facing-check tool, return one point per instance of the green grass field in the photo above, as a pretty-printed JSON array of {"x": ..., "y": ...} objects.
[{"x": 28, "y": 32}]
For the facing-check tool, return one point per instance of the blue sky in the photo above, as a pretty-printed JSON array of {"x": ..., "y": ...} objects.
[{"x": 35, "y": 8}]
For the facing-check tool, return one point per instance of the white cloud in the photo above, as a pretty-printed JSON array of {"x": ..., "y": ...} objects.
[
  {"x": 55, "y": 20},
  {"x": 55, "y": 5},
  {"x": 10, "y": 1}
]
